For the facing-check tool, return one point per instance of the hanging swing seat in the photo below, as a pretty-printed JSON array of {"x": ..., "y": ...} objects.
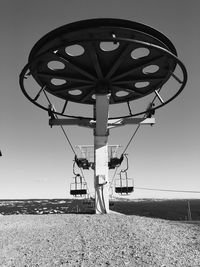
[
  {"x": 124, "y": 185},
  {"x": 78, "y": 188},
  {"x": 124, "y": 190},
  {"x": 78, "y": 192}
]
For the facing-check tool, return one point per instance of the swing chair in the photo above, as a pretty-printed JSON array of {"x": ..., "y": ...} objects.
[
  {"x": 124, "y": 185},
  {"x": 79, "y": 187}
]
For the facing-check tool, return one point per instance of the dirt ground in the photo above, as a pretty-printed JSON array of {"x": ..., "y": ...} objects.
[{"x": 97, "y": 240}]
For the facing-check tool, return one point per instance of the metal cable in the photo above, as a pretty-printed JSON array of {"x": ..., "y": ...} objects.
[
  {"x": 134, "y": 133},
  {"x": 64, "y": 132},
  {"x": 139, "y": 124},
  {"x": 131, "y": 139},
  {"x": 167, "y": 190},
  {"x": 67, "y": 139},
  {"x": 60, "y": 125}
]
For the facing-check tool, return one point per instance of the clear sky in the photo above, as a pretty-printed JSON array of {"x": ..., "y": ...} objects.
[{"x": 37, "y": 161}]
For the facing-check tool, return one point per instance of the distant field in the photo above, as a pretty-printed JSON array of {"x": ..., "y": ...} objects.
[
  {"x": 45, "y": 206},
  {"x": 165, "y": 209}
]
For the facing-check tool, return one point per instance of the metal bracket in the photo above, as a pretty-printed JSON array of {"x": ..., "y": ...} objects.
[
  {"x": 92, "y": 124},
  {"x": 76, "y": 122},
  {"x": 126, "y": 121}
]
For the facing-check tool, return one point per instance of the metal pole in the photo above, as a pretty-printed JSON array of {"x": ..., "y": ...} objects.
[
  {"x": 121, "y": 181},
  {"x": 101, "y": 180},
  {"x": 75, "y": 182},
  {"x": 189, "y": 212}
]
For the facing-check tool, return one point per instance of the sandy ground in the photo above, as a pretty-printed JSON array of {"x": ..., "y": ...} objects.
[{"x": 97, "y": 240}]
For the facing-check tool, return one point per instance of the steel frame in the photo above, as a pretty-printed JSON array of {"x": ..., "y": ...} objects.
[
  {"x": 102, "y": 85},
  {"x": 26, "y": 72}
]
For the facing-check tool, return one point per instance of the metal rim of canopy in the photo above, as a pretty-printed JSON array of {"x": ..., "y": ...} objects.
[{"x": 119, "y": 72}]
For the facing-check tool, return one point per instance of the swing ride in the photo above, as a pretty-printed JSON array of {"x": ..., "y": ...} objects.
[
  {"x": 78, "y": 188},
  {"x": 102, "y": 74},
  {"x": 124, "y": 185}
]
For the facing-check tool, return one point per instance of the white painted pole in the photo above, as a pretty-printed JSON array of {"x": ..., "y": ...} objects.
[
  {"x": 101, "y": 179},
  {"x": 101, "y": 175}
]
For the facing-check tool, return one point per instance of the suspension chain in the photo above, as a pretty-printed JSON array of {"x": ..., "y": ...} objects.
[{"x": 65, "y": 134}]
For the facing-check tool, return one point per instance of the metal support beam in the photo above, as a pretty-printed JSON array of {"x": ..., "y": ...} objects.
[
  {"x": 79, "y": 122},
  {"x": 101, "y": 179},
  {"x": 126, "y": 121},
  {"x": 92, "y": 123},
  {"x": 159, "y": 96}
]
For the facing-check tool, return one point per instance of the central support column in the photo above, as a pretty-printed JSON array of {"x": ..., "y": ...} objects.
[{"x": 101, "y": 179}]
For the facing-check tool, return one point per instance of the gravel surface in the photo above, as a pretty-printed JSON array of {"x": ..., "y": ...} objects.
[{"x": 97, "y": 240}]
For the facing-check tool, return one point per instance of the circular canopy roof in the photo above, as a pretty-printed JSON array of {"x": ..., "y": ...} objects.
[{"x": 125, "y": 59}]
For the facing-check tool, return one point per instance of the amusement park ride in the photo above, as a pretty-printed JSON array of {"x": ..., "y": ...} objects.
[{"x": 89, "y": 67}]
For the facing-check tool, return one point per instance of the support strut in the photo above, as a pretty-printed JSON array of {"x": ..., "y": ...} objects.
[{"x": 101, "y": 180}]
